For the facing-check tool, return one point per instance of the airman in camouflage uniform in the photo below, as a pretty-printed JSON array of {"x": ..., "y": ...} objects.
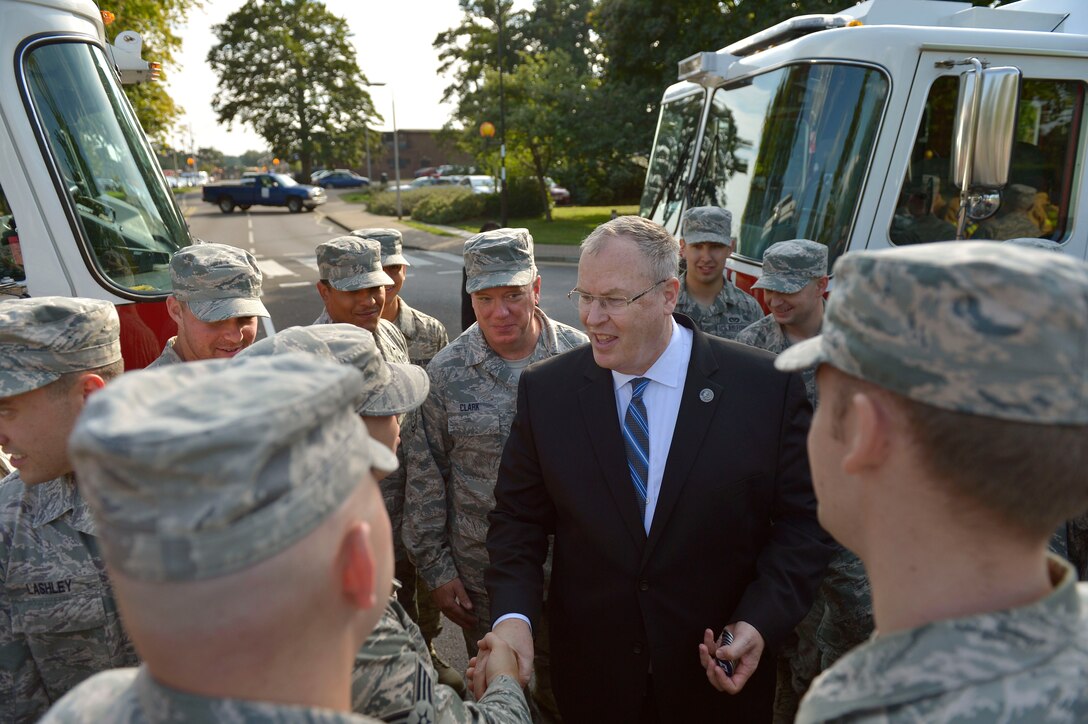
[
  {"x": 974, "y": 621},
  {"x": 841, "y": 616},
  {"x": 394, "y": 680},
  {"x": 794, "y": 281},
  {"x": 224, "y": 485},
  {"x": 59, "y": 623},
  {"x": 425, "y": 334},
  {"x": 354, "y": 287},
  {"x": 453, "y": 458},
  {"x": 215, "y": 302},
  {"x": 711, "y": 300},
  {"x": 1014, "y": 220}
]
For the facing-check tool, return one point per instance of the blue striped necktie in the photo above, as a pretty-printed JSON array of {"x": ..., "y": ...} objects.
[{"x": 636, "y": 438}]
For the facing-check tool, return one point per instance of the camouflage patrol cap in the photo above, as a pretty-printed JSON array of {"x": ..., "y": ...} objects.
[
  {"x": 707, "y": 224},
  {"x": 1034, "y": 243},
  {"x": 499, "y": 258},
  {"x": 43, "y": 338},
  {"x": 204, "y": 469},
  {"x": 391, "y": 241},
  {"x": 217, "y": 281},
  {"x": 789, "y": 266},
  {"x": 390, "y": 388},
  {"x": 975, "y": 327},
  {"x": 349, "y": 263}
]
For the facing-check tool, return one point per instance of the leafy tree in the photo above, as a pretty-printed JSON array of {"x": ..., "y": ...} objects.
[
  {"x": 156, "y": 22},
  {"x": 288, "y": 69},
  {"x": 472, "y": 47}
]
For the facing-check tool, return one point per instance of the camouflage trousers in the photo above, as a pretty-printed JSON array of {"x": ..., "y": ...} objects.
[
  {"x": 542, "y": 704},
  {"x": 841, "y": 618},
  {"x": 417, "y": 600}
]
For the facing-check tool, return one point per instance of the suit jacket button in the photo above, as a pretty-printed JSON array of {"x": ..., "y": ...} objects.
[{"x": 644, "y": 585}]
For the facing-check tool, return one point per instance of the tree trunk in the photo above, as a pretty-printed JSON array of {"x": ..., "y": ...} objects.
[{"x": 538, "y": 164}]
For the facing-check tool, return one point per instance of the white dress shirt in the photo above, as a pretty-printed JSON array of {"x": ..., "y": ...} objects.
[{"x": 662, "y": 399}]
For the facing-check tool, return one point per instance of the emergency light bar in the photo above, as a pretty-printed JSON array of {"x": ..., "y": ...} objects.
[
  {"x": 785, "y": 31},
  {"x": 705, "y": 68}
]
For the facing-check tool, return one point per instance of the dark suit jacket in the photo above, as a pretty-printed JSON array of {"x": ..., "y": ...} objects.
[{"x": 734, "y": 536}]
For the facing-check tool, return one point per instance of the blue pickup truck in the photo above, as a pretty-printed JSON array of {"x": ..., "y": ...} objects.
[{"x": 265, "y": 189}]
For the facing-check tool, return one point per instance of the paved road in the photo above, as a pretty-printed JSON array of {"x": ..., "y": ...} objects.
[{"x": 284, "y": 246}]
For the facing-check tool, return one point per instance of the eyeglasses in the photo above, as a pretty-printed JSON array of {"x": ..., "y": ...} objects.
[{"x": 609, "y": 305}]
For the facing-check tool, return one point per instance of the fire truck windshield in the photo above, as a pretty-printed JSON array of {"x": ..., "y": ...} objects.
[
  {"x": 785, "y": 151},
  {"x": 104, "y": 167}
]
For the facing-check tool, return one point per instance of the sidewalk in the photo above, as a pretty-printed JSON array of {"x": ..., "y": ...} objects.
[{"x": 349, "y": 216}]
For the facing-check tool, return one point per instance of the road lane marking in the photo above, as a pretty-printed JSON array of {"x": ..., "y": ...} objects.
[
  {"x": 308, "y": 261},
  {"x": 449, "y": 271},
  {"x": 295, "y": 284},
  {"x": 252, "y": 246},
  {"x": 271, "y": 268},
  {"x": 452, "y": 258},
  {"x": 414, "y": 260}
]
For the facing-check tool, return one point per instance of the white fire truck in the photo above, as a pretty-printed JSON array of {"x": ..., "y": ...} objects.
[
  {"x": 893, "y": 122},
  {"x": 84, "y": 208}
]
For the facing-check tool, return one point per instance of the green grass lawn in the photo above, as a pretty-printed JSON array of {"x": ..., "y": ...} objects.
[{"x": 569, "y": 225}]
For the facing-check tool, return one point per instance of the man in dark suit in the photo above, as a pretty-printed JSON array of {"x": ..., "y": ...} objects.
[{"x": 670, "y": 466}]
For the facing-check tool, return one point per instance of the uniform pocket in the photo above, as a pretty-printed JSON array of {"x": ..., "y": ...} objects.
[{"x": 66, "y": 633}]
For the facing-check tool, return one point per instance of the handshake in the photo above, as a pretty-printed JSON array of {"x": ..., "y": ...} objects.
[{"x": 495, "y": 658}]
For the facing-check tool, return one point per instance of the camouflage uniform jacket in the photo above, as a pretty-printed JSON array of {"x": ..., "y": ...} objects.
[
  {"x": 425, "y": 334},
  {"x": 394, "y": 348},
  {"x": 131, "y": 696},
  {"x": 732, "y": 311},
  {"x": 1077, "y": 542},
  {"x": 394, "y": 680},
  {"x": 1027, "y": 664},
  {"x": 767, "y": 334},
  {"x": 168, "y": 356},
  {"x": 453, "y": 457},
  {"x": 58, "y": 621}
]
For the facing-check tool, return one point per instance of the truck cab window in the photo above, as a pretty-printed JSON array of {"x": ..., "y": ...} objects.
[
  {"x": 12, "y": 274},
  {"x": 1036, "y": 201},
  {"x": 123, "y": 212}
]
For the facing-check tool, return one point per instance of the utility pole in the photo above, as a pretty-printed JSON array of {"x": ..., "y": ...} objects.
[
  {"x": 396, "y": 152},
  {"x": 503, "y": 198}
]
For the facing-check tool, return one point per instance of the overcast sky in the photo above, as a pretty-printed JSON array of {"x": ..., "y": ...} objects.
[{"x": 393, "y": 43}]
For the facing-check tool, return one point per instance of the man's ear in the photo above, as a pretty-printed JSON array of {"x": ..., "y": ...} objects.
[
  {"x": 867, "y": 429},
  {"x": 173, "y": 308},
  {"x": 358, "y": 567},
  {"x": 90, "y": 383},
  {"x": 671, "y": 289},
  {"x": 322, "y": 291}
]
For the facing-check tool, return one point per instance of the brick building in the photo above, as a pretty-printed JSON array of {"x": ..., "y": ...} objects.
[{"x": 418, "y": 149}]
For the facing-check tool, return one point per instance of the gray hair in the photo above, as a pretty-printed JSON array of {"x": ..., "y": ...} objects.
[{"x": 656, "y": 245}]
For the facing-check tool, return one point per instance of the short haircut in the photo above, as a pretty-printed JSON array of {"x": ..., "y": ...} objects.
[
  {"x": 656, "y": 245},
  {"x": 1012, "y": 469},
  {"x": 106, "y": 372}
]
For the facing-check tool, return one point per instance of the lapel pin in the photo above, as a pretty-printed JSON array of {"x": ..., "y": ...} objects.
[{"x": 706, "y": 394}]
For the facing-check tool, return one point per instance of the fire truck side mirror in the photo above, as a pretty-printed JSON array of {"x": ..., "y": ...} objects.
[
  {"x": 131, "y": 67},
  {"x": 994, "y": 127}
]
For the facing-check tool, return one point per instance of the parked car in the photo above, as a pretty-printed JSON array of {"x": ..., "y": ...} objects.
[
  {"x": 266, "y": 189},
  {"x": 316, "y": 175},
  {"x": 559, "y": 194},
  {"x": 425, "y": 181},
  {"x": 342, "y": 180},
  {"x": 479, "y": 184}
]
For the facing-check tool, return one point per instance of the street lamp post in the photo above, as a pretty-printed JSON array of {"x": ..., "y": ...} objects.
[
  {"x": 396, "y": 147},
  {"x": 502, "y": 130}
]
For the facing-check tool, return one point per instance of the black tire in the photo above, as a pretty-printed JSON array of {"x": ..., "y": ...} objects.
[
  {"x": 226, "y": 204},
  {"x": 294, "y": 204},
  {"x": 244, "y": 207}
]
